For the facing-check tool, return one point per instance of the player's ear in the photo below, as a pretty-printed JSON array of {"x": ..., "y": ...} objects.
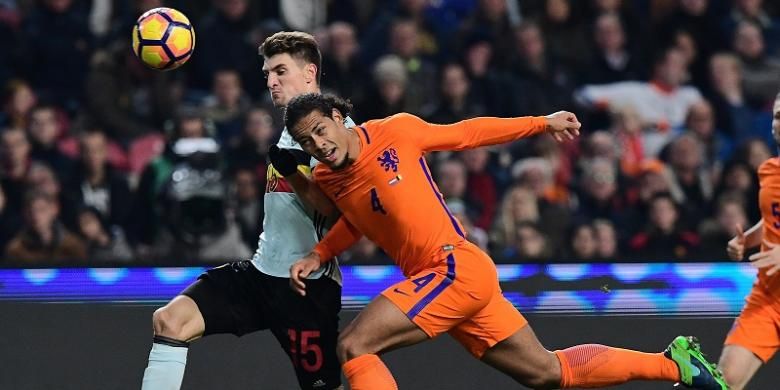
[
  {"x": 311, "y": 73},
  {"x": 336, "y": 115}
]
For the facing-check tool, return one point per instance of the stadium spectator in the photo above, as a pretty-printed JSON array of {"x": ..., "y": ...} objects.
[
  {"x": 474, "y": 234},
  {"x": 455, "y": 99},
  {"x": 248, "y": 205},
  {"x": 55, "y": 47},
  {"x": 729, "y": 213},
  {"x": 701, "y": 124},
  {"x": 43, "y": 239},
  {"x": 97, "y": 184},
  {"x": 45, "y": 130},
  {"x": 224, "y": 38},
  {"x": 226, "y": 105},
  {"x": 518, "y": 205},
  {"x": 760, "y": 72},
  {"x": 104, "y": 243},
  {"x": 481, "y": 187},
  {"x": 565, "y": 34},
  {"x": 607, "y": 245},
  {"x": 249, "y": 151},
  {"x": 530, "y": 245},
  {"x": 421, "y": 73},
  {"x": 15, "y": 157},
  {"x": 690, "y": 179},
  {"x": 733, "y": 116},
  {"x": 598, "y": 193},
  {"x": 10, "y": 220},
  {"x": 388, "y": 92},
  {"x": 740, "y": 180},
  {"x": 148, "y": 208},
  {"x": 18, "y": 100},
  {"x": 663, "y": 238},
  {"x": 613, "y": 59},
  {"x": 544, "y": 82},
  {"x": 582, "y": 244},
  {"x": 125, "y": 98},
  {"x": 662, "y": 103},
  {"x": 347, "y": 74},
  {"x": 488, "y": 83}
]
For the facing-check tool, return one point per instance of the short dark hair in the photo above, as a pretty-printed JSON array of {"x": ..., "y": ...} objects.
[
  {"x": 305, "y": 104},
  {"x": 297, "y": 44}
]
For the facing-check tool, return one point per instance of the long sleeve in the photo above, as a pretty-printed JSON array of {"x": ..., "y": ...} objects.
[
  {"x": 467, "y": 134},
  {"x": 338, "y": 239}
]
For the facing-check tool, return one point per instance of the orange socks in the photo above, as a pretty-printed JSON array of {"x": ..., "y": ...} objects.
[
  {"x": 594, "y": 365},
  {"x": 367, "y": 372}
]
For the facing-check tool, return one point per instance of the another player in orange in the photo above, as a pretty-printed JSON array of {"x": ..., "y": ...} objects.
[
  {"x": 755, "y": 336},
  {"x": 377, "y": 176}
]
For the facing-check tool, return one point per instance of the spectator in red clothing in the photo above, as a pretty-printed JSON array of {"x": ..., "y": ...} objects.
[
  {"x": 627, "y": 130},
  {"x": 480, "y": 185},
  {"x": 663, "y": 238}
]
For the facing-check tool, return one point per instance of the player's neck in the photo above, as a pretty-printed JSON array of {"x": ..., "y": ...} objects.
[{"x": 354, "y": 144}]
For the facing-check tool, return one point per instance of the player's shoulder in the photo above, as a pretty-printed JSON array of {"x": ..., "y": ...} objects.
[
  {"x": 402, "y": 117},
  {"x": 770, "y": 166}
]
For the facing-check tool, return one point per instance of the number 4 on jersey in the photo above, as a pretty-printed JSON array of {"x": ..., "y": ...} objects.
[{"x": 376, "y": 205}]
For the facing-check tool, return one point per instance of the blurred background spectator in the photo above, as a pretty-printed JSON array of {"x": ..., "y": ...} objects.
[{"x": 676, "y": 97}]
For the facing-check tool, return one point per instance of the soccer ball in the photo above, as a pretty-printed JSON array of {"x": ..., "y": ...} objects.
[{"x": 163, "y": 38}]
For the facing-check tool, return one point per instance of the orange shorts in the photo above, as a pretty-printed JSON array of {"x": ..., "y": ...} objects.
[
  {"x": 461, "y": 297},
  {"x": 758, "y": 326}
]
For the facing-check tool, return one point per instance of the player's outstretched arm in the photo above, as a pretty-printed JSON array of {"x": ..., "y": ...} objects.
[
  {"x": 483, "y": 131},
  {"x": 745, "y": 240},
  {"x": 338, "y": 239},
  {"x": 311, "y": 194}
]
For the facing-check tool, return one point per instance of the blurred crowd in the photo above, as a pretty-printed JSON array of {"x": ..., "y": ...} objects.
[{"x": 106, "y": 161}]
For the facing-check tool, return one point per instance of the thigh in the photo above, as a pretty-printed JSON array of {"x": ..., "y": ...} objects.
[
  {"x": 756, "y": 327},
  {"x": 438, "y": 299},
  {"x": 738, "y": 365},
  {"x": 522, "y": 357},
  {"x": 227, "y": 298},
  {"x": 180, "y": 319},
  {"x": 307, "y": 329},
  {"x": 380, "y": 327},
  {"x": 494, "y": 323}
]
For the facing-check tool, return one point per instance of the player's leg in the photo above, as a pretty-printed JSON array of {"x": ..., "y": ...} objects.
[
  {"x": 307, "y": 328},
  {"x": 380, "y": 327},
  {"x": 595, "y": 365},
  {"x": 738, "y": 365},
  {"x": 175, "y": 325},
  {"x": 412, "y": 311},
  {"x": 500, "y": 337},
  {"x": 215, "y": 303},
  {"x": 753, "y": 339}
]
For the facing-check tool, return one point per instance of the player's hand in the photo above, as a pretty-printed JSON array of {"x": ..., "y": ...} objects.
[
  {"x": 563, "y": 125},
  {"x": 283, "y": 160},
  {"x": 301, "y": 270},
  {"x": 769, "y": 258},
  {"x": 736, "y": 246}
]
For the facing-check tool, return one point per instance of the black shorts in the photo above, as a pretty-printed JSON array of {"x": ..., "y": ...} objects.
[{"x": 237, "y": 298}]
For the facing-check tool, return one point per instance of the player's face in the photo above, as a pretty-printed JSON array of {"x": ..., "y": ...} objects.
[
  {"x": 287, "y": 77},
  {"x": 776, "y": 121},
  {"x": 324, "y": 137}
]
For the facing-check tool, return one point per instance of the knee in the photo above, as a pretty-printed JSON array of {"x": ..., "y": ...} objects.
[
  {"x": 350, "y": 346},
  {"x": 545, "y": 376},
  {"x": 735, "y": 378},
  {"x": 166, "y": 324}
]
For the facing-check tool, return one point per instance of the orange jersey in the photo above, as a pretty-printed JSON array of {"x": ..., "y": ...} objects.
[
  {"x": 388, "y": 192},
  {"x": 769, "y": 201}
]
